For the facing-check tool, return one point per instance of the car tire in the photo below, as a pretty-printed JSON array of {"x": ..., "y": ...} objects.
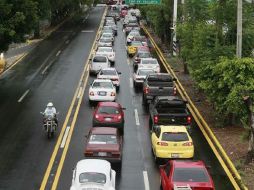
[
  {"x": 150, "y": 123},
  {"x": 90, "y": 103},
  {"x": 144, "y": 101},
  {"x": 117, "y": 88}
]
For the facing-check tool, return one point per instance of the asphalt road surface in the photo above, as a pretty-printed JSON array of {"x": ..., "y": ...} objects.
[{"x": 47, "y": 75}]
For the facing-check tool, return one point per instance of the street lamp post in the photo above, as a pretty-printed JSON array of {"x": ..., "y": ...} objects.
[
  {"x": 174, "y": 27},
  {"x": 239, "y": 29}
]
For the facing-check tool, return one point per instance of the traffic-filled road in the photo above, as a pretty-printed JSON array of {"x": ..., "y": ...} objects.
[{"x": 52, "y": 72}]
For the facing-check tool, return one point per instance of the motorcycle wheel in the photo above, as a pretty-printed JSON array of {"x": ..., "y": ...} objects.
[{"x": 49, "y": 134}]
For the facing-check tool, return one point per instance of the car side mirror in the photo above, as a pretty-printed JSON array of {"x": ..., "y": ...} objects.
[
  {"x": 123, "y": 108},
  {"x": 119, "y": 73}
]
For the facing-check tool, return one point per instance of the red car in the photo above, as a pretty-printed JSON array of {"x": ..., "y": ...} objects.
[
  {"x": 104, "y": 143},
  {"x": 109, "y": 114},
  {"x": 185, "y": 173},
  {"x": 123, "y": 13}
]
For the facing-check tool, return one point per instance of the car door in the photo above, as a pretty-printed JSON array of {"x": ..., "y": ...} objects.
[
  {"x": 165, "y": 173},
  {"x": 155, "y": 137}
]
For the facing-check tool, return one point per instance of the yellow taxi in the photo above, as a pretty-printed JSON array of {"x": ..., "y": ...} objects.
[
  {"x": 171, "y": 142},
  {"x": 132, "y": 47}
]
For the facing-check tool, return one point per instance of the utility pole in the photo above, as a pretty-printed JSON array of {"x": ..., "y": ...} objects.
[
  {"x": 174, "y": 27},
  {"x": 239, "y": 28}
]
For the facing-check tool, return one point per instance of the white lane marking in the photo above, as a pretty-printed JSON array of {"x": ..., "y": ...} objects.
[
  {"x": 79, "y": 93},
  {"x": 146, "y": 181},
  {"x": 131, "y": 83},
  {"x": 23, "y": 96},
  {"x": 67, "y": 41},
  {"x": 87, "y": 31},
  {"x": 44, "y": 70},
  {"x": 136, "y": 117},
  {"x": 58, "y": 53},
  {"x": 65, "y": 136}
]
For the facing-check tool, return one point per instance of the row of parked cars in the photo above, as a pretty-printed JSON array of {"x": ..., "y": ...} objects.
[{"x": 169, "y": 118}]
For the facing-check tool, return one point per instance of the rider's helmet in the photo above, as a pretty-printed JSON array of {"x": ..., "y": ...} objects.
[{"x": 50, "y": 105}]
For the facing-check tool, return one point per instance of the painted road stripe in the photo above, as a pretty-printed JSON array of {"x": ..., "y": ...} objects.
[
  {"x": 87, "y": 31},
  {"x": 131, "y": 83},
  {"x": 65, "y": 137},
  {"x": 44, "y": 70},
  {"x": 23, "y": 96},
  {"x": 67, "y": 41},
  {"x": 136, "y": 117},
  {"x": 58, "y": 53},
  {"x": 146, "y": 181},
  {"x": 79, "y": 93}
]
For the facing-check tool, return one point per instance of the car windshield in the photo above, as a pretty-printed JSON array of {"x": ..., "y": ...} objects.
[
  {"x": 144, "y": 55},
  {"x": 101, "y": 49},
  {"x": 92, "y": 177},
  {"x": 103, "y": 139},
  {"x": 190, "y": 175},
  {"x": 149, "y": 61},
  {"x": 108, "y": 35},
  {"x": 108, "y": 110},
  {"x": 136, "y": 43},
  {"x": 108, "y": 72},
  {"x": 145, "y": 72},
  {"x": 100, "y": 59},
  {"x": 102, "y": 85},
  {"x": 175, "y": 137}
]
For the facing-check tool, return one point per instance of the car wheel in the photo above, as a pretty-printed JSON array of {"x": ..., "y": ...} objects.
[
  {"x": 117, "y": 88},
  {"x": 150, "y": 123},
  {"x": 144, "y": 100},
  {"x": 90, "y": 103}
]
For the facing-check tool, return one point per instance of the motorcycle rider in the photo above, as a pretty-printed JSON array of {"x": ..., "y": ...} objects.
[{"x": 50, "y": 110}]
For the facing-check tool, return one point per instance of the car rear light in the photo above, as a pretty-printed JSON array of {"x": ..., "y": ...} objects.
[
  {"x": 97, "y": 116},
  {"x": 146, "y": 90},
  {"x": 91, "y": 93},
  {"x": 189, "y": 119},
  {"x": 174, "y": 91},
  {"x": 119, "y": 117},
  {"x": 112, "y": 94},
  {"x": 155, "y": 119},
  {"x": 114, "y": 79},
  {"x": 188, "y": 144},
  {"x": 162, "y": 143},
  {"x": 115, "y": 154},
  {"x": 88, "y": 153}
]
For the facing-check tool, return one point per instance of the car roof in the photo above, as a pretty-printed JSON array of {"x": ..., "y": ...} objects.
[
  {"x": 99, "y": 55},
  {"x": 104, "y": 130},
  {"x": 102, "y": 80},
  {"x": 188, "y": 164},
  {"x": 149, "y": 58},
  {"x": 93, "y": 165},
  {"x": 170, "y": 98},
  {"x": 104, "y": 47},
  {"x": 180, "y": 128},
  {"x": 114, "y": 104},
  {"x": 109, "y": 68}
]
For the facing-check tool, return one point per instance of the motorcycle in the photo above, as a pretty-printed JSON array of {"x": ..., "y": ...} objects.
[{"x": 49, "y": 123}]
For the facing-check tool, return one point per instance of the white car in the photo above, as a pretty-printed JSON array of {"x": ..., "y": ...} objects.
[
  {"x": 93, "y": 174},
  {"x": 131, "y": 35},
  {"x": 102, "y": 90},
  {"x": 108, "y": 35},
  {"x": 107, "y": 51},
  {"x": 112, "y": 74},
  {"x": 140, "y": 74},
  {"x": 99, "y": 62},
  {"x": 105, "y": 42},
  {"x": 150, "y": 63}
]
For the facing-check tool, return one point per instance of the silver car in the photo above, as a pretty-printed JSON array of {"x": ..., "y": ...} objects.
[{"x": 99, "y": 62}]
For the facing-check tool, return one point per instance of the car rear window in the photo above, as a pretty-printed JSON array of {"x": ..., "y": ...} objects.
[
  {"x": 108, "y": 110},
  {"x": 136, "y": 43},
  {"x": 144, "y": 72},
  {"x": 150, "y": 61},
  {"x": 144, "y": 55},
  {"x": 175, "y": 137},
  {"x": 159, "y": 78},
  {"x": 100, "y": 59},
  {"x": 101, "y": 49},
  {"x": 102, "y": 85},
  {"x": 190, "y": 175},
  {"x": 103, "y": 139},
  {"x": 108, "y": 72},
  {"x": 92, "y": 177}
]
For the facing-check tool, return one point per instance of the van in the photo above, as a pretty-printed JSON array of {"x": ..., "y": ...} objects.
[{"x": 99, "y": 62}]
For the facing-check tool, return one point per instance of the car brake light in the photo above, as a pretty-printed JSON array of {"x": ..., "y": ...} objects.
[
  {"x": 175, "y": 90},
  {"x": 188, "y": 144},
  {"x": 88, "y": 153},
  {"x": 146, "y": 90},
  {"x": 162, "y": 143},
  {"x": 91, "y": 93},
  {"x": 119, "y": 117},
  {"x": 112, "y": 94},
  {"x": 97, "y": 116},
  {"x": 156, "y": 119},
  {"x": 115, "y": 154},
  {"x": 189, "y": 119}
]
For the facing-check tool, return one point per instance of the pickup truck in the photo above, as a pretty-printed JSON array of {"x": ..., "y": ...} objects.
[
  {"x": 169, "y": 110},
  {"x": 158, "y": 84}
]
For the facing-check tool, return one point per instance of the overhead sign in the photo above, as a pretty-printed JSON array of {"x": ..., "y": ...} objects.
[{"x": 143, "y": 2}]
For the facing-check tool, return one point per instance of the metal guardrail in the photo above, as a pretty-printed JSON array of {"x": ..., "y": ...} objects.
[{"x": 218, "y": 150}]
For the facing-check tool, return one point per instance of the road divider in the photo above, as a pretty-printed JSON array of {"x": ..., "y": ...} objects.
[
  {"x": 136, "y": 117},
  {"x": 218, "y": 150},
  {"x": 23, "y": 96},
  {"x": 58, "y": 53},
  {"x": 146, "y": 180},
  {"x": 65, "y": 137}
]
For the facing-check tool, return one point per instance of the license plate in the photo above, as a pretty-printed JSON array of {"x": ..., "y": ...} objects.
[
  {"x": 175, "y": 155},
  {"x": 108, "y": 119},
  {"x": 102, "y": 93},
  {"x": 102, "y": 154}
]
